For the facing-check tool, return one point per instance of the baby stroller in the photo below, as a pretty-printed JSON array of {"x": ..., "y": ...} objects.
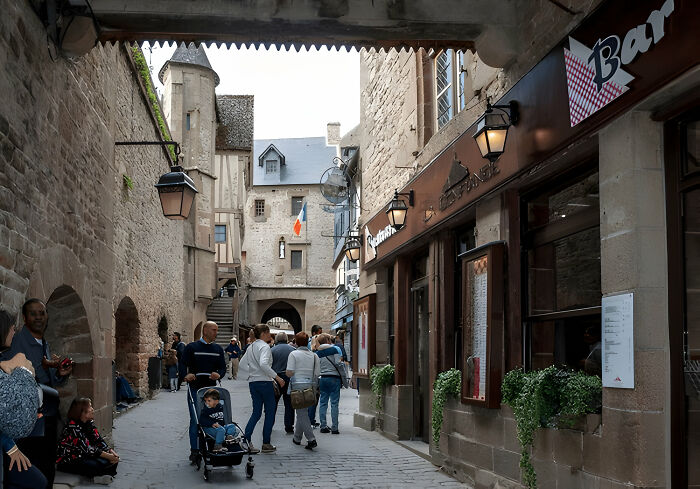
[{"x": 234, "y": 451}]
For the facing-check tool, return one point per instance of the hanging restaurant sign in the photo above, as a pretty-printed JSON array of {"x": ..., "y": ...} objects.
[{"x": 594, "y": 76}]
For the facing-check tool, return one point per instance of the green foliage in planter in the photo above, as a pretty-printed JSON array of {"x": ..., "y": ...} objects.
[
  {"x": 546, "y": 398},
  {"x": 448, "y": 383},
  {"x": 145, "y": 73},
  {"x": 379, "y": 378},
  {"x": 128, "y": 182}
]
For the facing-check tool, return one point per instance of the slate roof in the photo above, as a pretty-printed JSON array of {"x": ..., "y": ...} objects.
[
  {"x": 305, "y": 160},
  {"x": 191, "y": 55},
  {"x": 235, "y": 116}
]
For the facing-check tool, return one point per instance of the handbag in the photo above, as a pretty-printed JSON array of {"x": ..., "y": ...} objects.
[
  {"x": 343, "y": 374},
  {"x": 304, "y": 398}
]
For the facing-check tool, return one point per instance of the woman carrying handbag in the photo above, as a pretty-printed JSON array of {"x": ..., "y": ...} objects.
[{"x": 303, "y": 370}]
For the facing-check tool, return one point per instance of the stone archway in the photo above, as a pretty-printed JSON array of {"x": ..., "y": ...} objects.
[
  {"x": 68, "y": 335},
  {"x": 197, "y": 331},
  {"x": 283, "y": 310},
  {"x": 127, "y": 352}
]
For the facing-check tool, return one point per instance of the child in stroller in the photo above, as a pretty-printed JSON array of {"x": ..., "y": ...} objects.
[{"x": 224, "y": 445}]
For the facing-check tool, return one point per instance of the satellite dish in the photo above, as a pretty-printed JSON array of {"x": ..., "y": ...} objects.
[{"x": 335, "y": 185}]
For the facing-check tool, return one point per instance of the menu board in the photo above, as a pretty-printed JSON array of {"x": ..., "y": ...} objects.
[
  {"x": 477, "y": 325},
  {"x": 617, "y": 342},
  {"x": 363, "y": 335},
  {"x": 362, "y": 366}
]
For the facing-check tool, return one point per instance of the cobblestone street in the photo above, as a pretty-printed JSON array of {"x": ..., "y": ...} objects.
[{"x": 152, "y": 441}]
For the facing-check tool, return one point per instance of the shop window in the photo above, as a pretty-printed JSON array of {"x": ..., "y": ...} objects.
[
  {"x": 562, "y": 240},
  {"x": 220, "y": 233},
  {"x": 296, "y": 259},
  {"x": 297, "y": 204},
  {"x": 482, "y": 285},
  {"x": 259, "y": 208},
  {"x": 450, "y": 82}
]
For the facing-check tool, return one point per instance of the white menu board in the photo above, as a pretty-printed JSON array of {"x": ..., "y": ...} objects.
[
  {"x": 479, "y": 328},
  {"x": 617, "y": 342},
  {"x": 362, "y": 359}
]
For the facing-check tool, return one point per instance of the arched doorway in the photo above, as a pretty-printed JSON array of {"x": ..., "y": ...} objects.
[
  {"x": 127, "y": 333},
  {"x": 163, "y": 331},
  {"x": 68, "y": 335},
  {"x": 197, "y": 331},
  {"x": 285, "y": 311}
]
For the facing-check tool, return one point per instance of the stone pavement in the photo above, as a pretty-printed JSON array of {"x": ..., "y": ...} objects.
[{"x": 152, "y": 441}]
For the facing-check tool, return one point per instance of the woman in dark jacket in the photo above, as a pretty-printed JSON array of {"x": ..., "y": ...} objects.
[
  {"x": 18, "y": 412},
  {"x": 82, "y": 450}
]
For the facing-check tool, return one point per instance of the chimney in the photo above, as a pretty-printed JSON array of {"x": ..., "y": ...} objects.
[{"x": 333, "y": 133}]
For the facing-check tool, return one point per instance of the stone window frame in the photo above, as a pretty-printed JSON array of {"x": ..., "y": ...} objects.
[
  {"x": 455, "y": 73},
  {"x": 297, "y": 204},
  {"x": 259, "y": 208},
  {"x": 218, "y": 232},
  {"x": 281, "y": 248},
  {"x": 292, "y": 254}
]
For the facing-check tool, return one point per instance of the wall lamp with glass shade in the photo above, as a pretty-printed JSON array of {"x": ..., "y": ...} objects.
[
  {"x": 398, "y": 209},
  {"x": 352, "y": 248},
  {"x": 492, "y": 129},
  {"x": 175, "y": 188}
]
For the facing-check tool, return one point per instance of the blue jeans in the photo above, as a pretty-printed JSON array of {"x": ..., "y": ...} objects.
[
  {"x": 263, "y": 394},
  {"x": 219, "y": 434},
  {"x": 330, "y": 388},
  {"x": 193, "y": 424}
]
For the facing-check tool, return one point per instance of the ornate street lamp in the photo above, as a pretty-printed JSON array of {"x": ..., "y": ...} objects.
[
  {"x": 492, "y": 129},
  {"x": 352, "y": 248},
  {"x": 397, "y": 209},
  {"x": 176, "y": 191}
]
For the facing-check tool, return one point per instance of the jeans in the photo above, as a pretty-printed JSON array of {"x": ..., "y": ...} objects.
[
  {"x": 330, "y": 388},
  {"x": 124, "y": 391},
  {"x": 194, "y": 444},
  {"x": 219, "y": 434},
  {"x": 263, "y": 394},
  {"x": 90, "y": 467},
  {"x": 288, "y": 409},
  {"x": 26, "y": 479},
  {"x": 312, "y": 412},
  {"x": 41, "y": 450}
]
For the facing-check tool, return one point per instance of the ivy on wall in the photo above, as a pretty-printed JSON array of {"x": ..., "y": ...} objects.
[
  {"x": 447, "y": 384},
  {"x": 145, "y": 75},
  {"x": 380, "y": 377}
]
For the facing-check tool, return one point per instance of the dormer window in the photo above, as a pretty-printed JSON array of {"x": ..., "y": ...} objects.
[{"x": 271, "y": 166}]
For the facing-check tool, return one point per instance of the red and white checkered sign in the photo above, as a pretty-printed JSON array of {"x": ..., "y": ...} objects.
[{"x": 584, "y": 97}]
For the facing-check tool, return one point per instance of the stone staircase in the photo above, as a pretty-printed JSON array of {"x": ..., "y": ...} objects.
[{"x": 221, "y": 312}]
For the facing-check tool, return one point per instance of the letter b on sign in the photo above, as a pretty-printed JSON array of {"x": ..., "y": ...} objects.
[{"x": 605, "y": 60}]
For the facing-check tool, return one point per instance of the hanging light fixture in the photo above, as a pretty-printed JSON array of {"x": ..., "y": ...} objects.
[
  {"x": 397, "y": 209},
  {"x": 176, "y": 191},
  {"x": 352, "y": 248},
  {"x": 492, "y": 129}
]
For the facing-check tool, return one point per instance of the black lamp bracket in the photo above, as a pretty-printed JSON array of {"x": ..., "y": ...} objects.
[
  {"x": 155, "y": 143},
  {"x": 511, "y": 110},
  {"x": 410, "y": 194}
]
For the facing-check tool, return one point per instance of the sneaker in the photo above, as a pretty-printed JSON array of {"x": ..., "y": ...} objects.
[
  {"x": 289, "y": 431},
  {"x": 296, "y": 442},
  {"x": 315, "y": 425},
  {"x": 325, "y": 429},
  {"x": 335, "y": 432},
  {"x": 194, "y": 454},
  {"x": 219, "y": 448},
  {"x": 311, "y": 445},
  {"x": 230, "y": 378},
  {"x": 252, "y": 450},
  {"x": 230, "y": 438},
  {"x": 268, "y": 448}
]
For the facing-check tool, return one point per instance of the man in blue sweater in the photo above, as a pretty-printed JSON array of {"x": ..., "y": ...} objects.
[{"x": 205, "y": 364}]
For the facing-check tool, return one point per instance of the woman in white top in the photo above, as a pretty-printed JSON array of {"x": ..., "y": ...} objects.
[{"x": 303, "y": 370}]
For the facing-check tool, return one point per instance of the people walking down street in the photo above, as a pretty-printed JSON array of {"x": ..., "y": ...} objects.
[
  {"x": 303, "y": 370},
  {"x": 234, "y": 357},
  {"x": 171, "y": 367},
  {"x": 52, "y": 372},
  {"x": 280, "y": 353},
  {"x": 257, "y": 362},
  {"x": 179, "y": 347},
  {"x": 205, "y": 363},
  {"x": 333, "y": 377},
  {"x": 211, "y": 419},
  {"x": 18, "y": 413}
]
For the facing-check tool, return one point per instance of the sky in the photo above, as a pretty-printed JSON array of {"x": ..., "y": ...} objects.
[{"x": 296, "y": 93}]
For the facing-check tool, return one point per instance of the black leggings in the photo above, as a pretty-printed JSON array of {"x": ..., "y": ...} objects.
[
  {"x": 90, "y": 467},
  {"x": 27, "y": 479}
]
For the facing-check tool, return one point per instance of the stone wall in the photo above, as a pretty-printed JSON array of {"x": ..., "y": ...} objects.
[{"x": 66, "y": 218}]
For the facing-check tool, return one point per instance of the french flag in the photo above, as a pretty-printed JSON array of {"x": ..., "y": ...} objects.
[{"x": 300, "y": 218}]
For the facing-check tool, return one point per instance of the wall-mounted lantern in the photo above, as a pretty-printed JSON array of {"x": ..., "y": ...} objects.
[
  {"x": 352, "y": 248},
  {"x": 175, "y": 188},
  {"x": 397, "y": 209},
  {"x": 492, "y": 129}
]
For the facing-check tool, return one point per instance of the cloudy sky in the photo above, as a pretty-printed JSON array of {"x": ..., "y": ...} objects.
[{"x": 296, "y": 93}]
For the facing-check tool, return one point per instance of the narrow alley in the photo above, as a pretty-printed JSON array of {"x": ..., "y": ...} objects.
[{"x": 151, "y": 440}]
